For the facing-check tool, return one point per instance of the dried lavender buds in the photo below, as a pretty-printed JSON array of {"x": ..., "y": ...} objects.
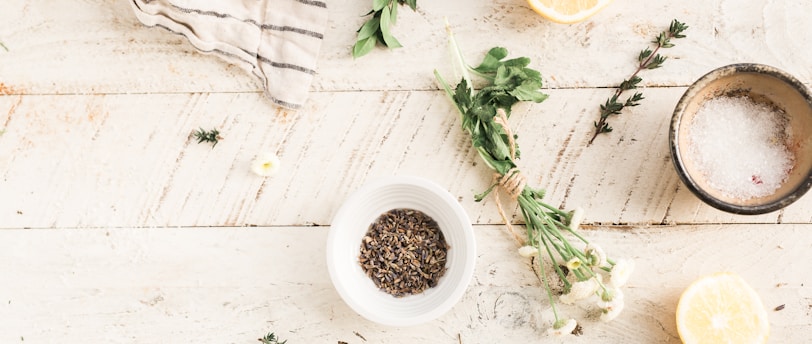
[{"x": 404, "y": 252}]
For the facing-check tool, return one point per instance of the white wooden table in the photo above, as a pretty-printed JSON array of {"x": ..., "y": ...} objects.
[{"x": 115, "y": 226}]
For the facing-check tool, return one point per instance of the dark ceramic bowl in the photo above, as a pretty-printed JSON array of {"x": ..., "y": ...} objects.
[{"x": 760, "y": 83}]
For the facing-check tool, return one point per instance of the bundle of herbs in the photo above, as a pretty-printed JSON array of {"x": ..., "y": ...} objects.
[{"x": 579, "y": 264}]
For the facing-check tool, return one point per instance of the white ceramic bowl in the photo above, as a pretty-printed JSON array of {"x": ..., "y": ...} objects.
[{"x": 352, "y": 222}]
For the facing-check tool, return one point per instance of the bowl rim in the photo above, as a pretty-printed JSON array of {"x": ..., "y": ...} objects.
[
  {"x": 676, "y": 158},
  {"x": 467, "y": 265}
]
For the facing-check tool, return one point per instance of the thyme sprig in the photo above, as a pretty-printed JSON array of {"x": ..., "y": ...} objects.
[
  {"x": 549, "y": 230},
  {"x": 211, "y": 136},
  {"x": 271, "y": 338},
  {"x": 378, "y": 29},
  {"x": 647, "y": 59}
]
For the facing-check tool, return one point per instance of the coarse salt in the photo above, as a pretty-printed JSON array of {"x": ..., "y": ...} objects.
[{"x": 740, "y": 146}]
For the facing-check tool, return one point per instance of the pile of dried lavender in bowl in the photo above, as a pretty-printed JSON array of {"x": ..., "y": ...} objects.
[{"x": 404, "y": 252}]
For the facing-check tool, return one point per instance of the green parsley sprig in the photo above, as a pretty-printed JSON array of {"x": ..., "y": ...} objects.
[
  {"x": 578, "y": 263},
  {"x": 647, "y": 59},
  {"x": 378, "y": 29}
]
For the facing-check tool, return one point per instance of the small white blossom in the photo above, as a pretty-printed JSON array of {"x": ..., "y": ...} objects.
[
  {"x": 576, "y": 218},
  {"x": 582, "y": 290},
  {"x": 612, "y": 310},
  {"x": 265, "y": 165},
  {"x": 595, "y": 255},
  {"x": 528, "y": 251},
  {"x": 621, "y": 272},
  {"x": 610, "y": 295},
  {"x": 574, "y": 263},
  {"x": 611, "y": 303},
  {"x": 562, "y": 327}
]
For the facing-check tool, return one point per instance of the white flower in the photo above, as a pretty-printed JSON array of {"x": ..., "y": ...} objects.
[
  {"x": 574, "y": 263},
  {"x": 595, "y": 255},
  {"x": 562, "y": 327},
  {"x": 528, "y": 251},
  {"x": 611, "y": 304},
  {"x": 609, "y": 296},
  {"x": 581, "y": 290},
  {"x": 610, "y": 313},
  {"x": 576, "y": 218},
  {"x": 620, "y": 272},
  {"x": 265, "y": 165}
]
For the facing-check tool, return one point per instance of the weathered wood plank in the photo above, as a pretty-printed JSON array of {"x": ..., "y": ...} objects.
[
  {"x": 231, "y": 285},
  {"x": 128, "y": 160},
  {"x": 97, "y": 46}
]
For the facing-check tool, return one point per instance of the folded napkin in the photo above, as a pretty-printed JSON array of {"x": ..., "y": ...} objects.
[{"x": 276, "y": 40}]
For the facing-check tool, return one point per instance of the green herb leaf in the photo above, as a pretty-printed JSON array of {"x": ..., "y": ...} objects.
[
  {"x": 491, "y": 62},
  {"x": 378, "y": 28},
  {"x": 363, "y": 46},
  {"x": 386, "y": 23},
  {"x": 369, "y": 28},
  {"x": 393, "y": 17},
  {"x": 378, "y": 5}
]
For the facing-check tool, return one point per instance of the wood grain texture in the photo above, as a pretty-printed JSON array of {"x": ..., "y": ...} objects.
[
  {"x": 128, "y": 160},
  {"x": 116, "y": 226},
  {"x": 97, "y": 46},
  {"x": 229, "y": 285}
]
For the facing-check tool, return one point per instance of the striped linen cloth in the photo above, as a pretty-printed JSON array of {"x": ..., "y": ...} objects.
[{"x": 276, "y": 40}]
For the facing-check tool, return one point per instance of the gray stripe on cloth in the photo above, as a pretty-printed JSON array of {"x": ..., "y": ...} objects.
[
  {"x": 250, "y": 21},
  {"x": 278, "y": 41}
]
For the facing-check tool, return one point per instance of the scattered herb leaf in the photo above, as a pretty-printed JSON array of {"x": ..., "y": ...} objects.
[
  {"x": 647, "y": 59},
  {"x": 378, "y": 29},
  {"x": 4, "y": 46},
  {"x": 271, "y": 338},
  {"x": 211, "y": 136}
]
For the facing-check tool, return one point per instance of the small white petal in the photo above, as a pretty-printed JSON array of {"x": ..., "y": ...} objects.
[
  {"x": 595, "y": 255},
  {"x": 567, "y": 299},
  {"x": 576, "y": 218},
  {"x": 621, "y": 272},
  {"x": 611, "y": 312},
  {"x": 528, "y": 251},
  {"x": 265, "y": 165},
  {"x": 564, "y": 327},
  {"x": 584, "y": 289}
]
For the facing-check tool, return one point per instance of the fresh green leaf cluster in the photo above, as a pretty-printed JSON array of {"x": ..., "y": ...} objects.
[
  {"x": 271, "y": 338},
  {"x": 378, "y": 29},
  {"x": 211, "y": 136},
  {"x": 510, "y": 81},
  {"x": 647, "y": 59}
]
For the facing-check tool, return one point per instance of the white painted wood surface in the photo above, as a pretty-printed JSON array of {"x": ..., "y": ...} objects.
[{"x": 116, "y": 226}]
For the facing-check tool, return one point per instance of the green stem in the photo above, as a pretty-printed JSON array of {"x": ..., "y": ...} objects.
[{"x": 546, "y": 283}]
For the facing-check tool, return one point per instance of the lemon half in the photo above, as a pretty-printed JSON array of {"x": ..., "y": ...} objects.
[{"x": 721, "y": 308}]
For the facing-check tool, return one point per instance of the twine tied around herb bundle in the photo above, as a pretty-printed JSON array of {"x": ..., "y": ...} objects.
[{"x": 513, "y": 181}]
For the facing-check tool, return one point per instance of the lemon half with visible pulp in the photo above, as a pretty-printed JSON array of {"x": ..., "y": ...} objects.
[
  {"x": 721, "y": 308},
  {"x": 567, "y": 11}
]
